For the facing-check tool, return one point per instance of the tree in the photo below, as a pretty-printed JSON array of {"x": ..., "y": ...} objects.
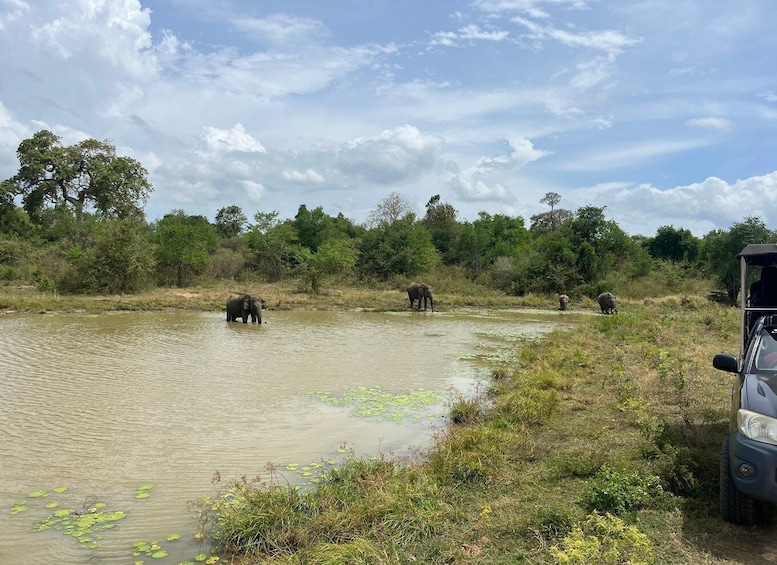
[
  {"x": 274, "y": 244},
  {"x": 402, "y": 247},
  {"x": 719, "y": 250},
  {"x": 183, "y": 244},
  {"x": 552, "y": 220},
  {"x": 86, "y": 175},
  {"x": 123, "y": 256},
  {"x": 674, "y": 245},
  {"x": 388, "y": 210},
  {"x": 230, "y": 221},
  {"x": 441, "y": 222}
]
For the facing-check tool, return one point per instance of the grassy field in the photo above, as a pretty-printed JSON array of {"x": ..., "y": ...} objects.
[{"x": 599, "y": 445}]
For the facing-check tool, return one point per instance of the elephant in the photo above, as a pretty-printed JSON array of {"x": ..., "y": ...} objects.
[
  {"x": 242, "y": 305},
  {"x": 563, "y": 300},
  {"x": 418, "y": 291},
  {"x": 607, "y": 303}
]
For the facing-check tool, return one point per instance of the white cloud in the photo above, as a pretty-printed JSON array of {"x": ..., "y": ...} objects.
[
  {"x": 471, "y": 188},
  {"x": 394, "y": 156},
  {"x": 308, "y": 176},
  {"x": 629, "y": 156},
  {"x": 234, "y": 139},
  {"x": 699, "y": 207},
  {"x": 721, "y": 124},
  {"x": 280, "y": 29},
  {"x": 114, "y": 31}
]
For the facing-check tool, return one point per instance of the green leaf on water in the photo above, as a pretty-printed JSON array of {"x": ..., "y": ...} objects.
[
  {"x": 19, "y": 507},
  {"x": 60, "y": 489},
  {"x": 52, "y": 505},
  {"x": 173, "y": 537},
  {"x": 159, "y": 554},
  {"x": 145, "y": 487},
  {"x": 142, "y": 494},
  {"x": 38, "y": 494},
  {"x": 201, "y": 557}
]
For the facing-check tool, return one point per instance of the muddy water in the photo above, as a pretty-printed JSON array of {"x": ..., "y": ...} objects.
[{"x": 102, "y": 405}]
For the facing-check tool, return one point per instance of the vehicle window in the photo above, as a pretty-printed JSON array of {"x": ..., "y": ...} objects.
[{"x": 766, "y": 358}]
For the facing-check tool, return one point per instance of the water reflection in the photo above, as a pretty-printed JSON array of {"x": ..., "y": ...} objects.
[{"x": 103, "y": 404}]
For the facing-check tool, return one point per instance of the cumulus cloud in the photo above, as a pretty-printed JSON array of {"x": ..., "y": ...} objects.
[
  {"x": 115, "y": 31},
  {"x": 721, "y": 124},
  {"x": 234, "y": 139},
  {"x": 699, "y": 207},
  {"x": 308, "y": 176},
  {"x": 472, "y": 188},
  {"x": 396, "y": 155}
]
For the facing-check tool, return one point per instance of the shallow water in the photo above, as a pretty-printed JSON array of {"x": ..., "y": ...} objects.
[{"x": 102, "y": 404}]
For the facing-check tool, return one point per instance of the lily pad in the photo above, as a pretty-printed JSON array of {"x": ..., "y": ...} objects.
[
  {"x": 173, "y": 537},
  {"x": 38, "y": 494},
  {"x": 60, "y": 489},
  {"x": 19, "y": 507}
]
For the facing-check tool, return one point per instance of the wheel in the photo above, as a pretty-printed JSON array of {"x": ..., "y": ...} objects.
[{"x": 735, "y": 506}]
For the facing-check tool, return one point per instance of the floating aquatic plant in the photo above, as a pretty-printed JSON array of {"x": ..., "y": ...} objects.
[
  {"x": 381, "y": 404},
  {"x": 19, "y": 507},
  {"x": 143, "y": 491},
  {"x": 38, "y": 494},
  {"x": 81, "y": 525}
]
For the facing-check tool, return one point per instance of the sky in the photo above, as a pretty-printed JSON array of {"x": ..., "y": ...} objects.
[{"x": 662, "y": 111}]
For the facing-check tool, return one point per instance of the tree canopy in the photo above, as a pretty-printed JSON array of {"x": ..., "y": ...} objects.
[{"x": 87, "y": 175}]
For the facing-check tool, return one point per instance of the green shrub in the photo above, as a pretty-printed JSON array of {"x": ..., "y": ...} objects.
[
  {"x": 604, "y": 540},
  {"x": 618, "y": 493}
]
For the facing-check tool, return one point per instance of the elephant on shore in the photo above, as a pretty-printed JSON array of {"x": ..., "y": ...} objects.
[
  {"x": 242, "y": 305},
  {"x": 607, "y": 303},
  {"x": 418, "y": 291},
  {"x": 563, "y": 301}
]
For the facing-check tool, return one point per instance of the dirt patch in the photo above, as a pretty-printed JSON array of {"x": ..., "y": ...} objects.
[{"x": 188, "y": 294}]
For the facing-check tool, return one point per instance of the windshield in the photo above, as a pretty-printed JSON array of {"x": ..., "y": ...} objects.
[{"x": 766, "y": 356}]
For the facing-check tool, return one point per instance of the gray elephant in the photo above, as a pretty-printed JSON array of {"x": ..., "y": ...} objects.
[
  {"x": 256, "y": 310},
  {"x": 607, "y": 303},
  {"x": 563, "y": 301},
  {"x": 242, "y": 305},
  {"x": 418, "y": 291}
]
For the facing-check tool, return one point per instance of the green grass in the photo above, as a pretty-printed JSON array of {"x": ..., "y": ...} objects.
[{"x": 602, "y": 438}]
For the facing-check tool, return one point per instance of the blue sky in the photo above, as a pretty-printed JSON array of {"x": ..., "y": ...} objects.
[{"x": 663, "y": 111}]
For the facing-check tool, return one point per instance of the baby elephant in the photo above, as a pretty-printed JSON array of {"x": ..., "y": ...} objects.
[
  {"x": 563, "y": 300},
  {"x": 606, "y": 302}
]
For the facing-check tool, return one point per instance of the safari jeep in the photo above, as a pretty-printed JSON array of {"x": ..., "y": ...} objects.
[{"x": 748, "y": 457}]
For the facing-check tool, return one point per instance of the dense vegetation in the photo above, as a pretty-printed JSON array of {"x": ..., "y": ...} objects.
[{"x": 71, "y": 220}]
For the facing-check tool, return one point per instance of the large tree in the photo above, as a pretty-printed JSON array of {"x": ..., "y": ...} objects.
[{"x": 87, "y": 175}]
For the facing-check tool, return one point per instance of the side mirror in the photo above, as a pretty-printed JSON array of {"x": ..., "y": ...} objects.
[{"x": 725, "y": 362}]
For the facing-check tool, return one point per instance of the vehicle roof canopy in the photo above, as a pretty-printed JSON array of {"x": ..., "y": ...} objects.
[{"x": 759, "y": 254}]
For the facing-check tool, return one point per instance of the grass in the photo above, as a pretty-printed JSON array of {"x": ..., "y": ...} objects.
[{"x": 600, "y": 445}]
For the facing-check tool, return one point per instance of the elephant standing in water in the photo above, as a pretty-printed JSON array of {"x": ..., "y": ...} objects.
[
  {"x": 242, "y": 305},
  {"x": 418, "y": 291},
  {"x": 563, "y": 300},
  {"x": 607, "y": 303}
]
